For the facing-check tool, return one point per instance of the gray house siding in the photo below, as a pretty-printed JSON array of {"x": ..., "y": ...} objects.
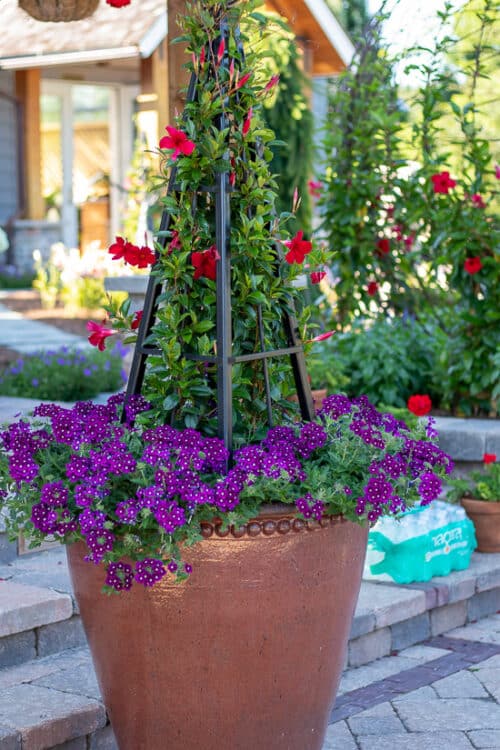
[{"x": 9, "y": 149}]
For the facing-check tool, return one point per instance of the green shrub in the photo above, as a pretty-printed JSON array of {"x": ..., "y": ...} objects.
[
  {"x": 64, "y": 374},
  {"x": 388, "y": 361},
  {"x": 10, "y": 278}
]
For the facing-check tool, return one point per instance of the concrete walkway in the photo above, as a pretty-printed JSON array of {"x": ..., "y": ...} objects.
[{"x": 27, "y": 336}]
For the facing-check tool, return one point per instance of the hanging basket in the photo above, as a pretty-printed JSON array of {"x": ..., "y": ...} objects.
[{"x": 59, "y": 10}]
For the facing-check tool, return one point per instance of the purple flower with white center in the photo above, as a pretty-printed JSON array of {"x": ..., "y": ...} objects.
[
  {"x": 172, "y": 566},
  {"x": 430, "y": 429},
  {"x": 22, "y": 467},
  {"x": 188, "y": 568},
  {"x": 78, "y": 467},
  {"x": 148, "y": 497},
  {"x": 377, "y": 490},
  {"x": 99, "y": 541},
  {"x": 91, "y": 520},
  {"x": 335, "y": 406},
  {"x": 169, "y": 516},
  {"x": 44, "y": 518},
  {"x": 119, "y": 576},
  {"x": 429, "y": 487},
  {"x": 127, "y": 511},
  {"x": 87, "y": 494},
  {"x": 54, "y": 494},
  {"x": 149, "y": 571},
  {"x": 309, "y": 507},
  {"x": 312, "y": 436},
  {"x": 249, "y": 459}
]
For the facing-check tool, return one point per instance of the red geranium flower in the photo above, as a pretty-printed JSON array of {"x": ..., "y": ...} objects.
[
  {"x": 420, "y": 405},
  {"x": 98, "y": 334},
  {"x": 442, "y": 182},
  {"x": 177, "y": 141},
  {"x": 136, "y": 320},
  {"x": 118, "y": 3},
  {"x": 205, "y": 263},
  {"x": 477, "y": 200},
  {"x": 384, "y": 245},
  {"x": 472, "y": 265},
  {"x": 317, "y": 276},
  {"x": 372, "y": 288},
  {"x": 489, "y": 458},
  {"x": 297, "y": 248}
]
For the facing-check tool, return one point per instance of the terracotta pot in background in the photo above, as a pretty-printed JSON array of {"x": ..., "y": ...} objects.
[
  {"x": 247, "y": 653},
  {"x": 318, "y": 398},
  {"x": 486, "y": 519}
]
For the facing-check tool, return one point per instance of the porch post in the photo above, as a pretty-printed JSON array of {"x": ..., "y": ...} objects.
[
  {"x": 178, "y": 77},
  {"x": 28, "y": 92}
]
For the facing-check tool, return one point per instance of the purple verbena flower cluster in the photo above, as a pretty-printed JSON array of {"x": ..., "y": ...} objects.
[{"x": 118, "y": 481}]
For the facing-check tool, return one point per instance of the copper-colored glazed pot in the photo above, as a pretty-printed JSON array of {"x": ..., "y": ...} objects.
[
  {"x": 486, "y": 519},
  {"x": 246, "y": 654},
  {"x": 318, "y": 396}
]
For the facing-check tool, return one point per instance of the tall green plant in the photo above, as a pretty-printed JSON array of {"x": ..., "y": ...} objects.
[{"x": 414, "y": 235}]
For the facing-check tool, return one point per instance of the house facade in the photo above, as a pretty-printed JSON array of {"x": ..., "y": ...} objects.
[{"x": 77, "y": 98}]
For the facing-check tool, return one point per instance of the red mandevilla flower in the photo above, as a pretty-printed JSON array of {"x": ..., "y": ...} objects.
[
  {"x": 321, "y": 337},
  {"x": 178, "y": 142},
  {"x": 298, "y": 248},
  {"x": 98, "y": 334},
  {"x": 384, "y": 245},
  {"x": 372, "y": 288},
  {"x": 136, "y": 321},
  {"x": 118, "y": 3},
  {"x": 420, "y": 405},
  {"x": 141, "y": 257},
  {"x": 174, "y": 243},
  {"x": 272, "y": 82},
  {"x": 315, "y": 188},
  {"x": 317, "y": 276},
  {"x": 489, "y": 458},
  {"x": 205, "y": 263},
  {"x": 442, "y": 182},
  {"x": 477, "y": 200},
  {"x": 472, "y": 265},
  {"x": 119, "y": 248},
  {"x": 244, "y": 79}
]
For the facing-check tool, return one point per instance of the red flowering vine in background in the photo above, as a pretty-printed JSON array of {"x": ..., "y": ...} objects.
[
  {"x": 98, "y": 334},
  {"x": 472, "y": 265},
  {"x": 442, "y": 182},
  {"x": 205, "y": 263},
  {"x": 384, "y": 245},
  {"x": 118, "y": 3},
  {"x": 136, "y": 321},
  {"x": 477, "y": 200},
  {"x": 178, "y": 142},
  {"x": 118, "y": 248},
  {"x": 489, "y": 458},
  {"x": 142, "y": 257},
  {"x": 419, "y": 404},
  {"x": 315, "y": 188},
  {"x": 372, "y": 288},
  {"x": 298, "y": 248},
  {"x": 317, "y": 276}
]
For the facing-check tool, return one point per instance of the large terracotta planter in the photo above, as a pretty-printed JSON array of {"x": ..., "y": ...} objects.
[
  {"x": 246, "y": 654},
  {"x": 486, "y": 519}
]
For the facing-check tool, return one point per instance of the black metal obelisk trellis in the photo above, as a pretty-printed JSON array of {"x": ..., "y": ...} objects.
[{"x": 223, "y": 359}]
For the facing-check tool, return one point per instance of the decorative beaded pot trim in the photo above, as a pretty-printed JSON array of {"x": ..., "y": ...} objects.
[{"x": 267, "y": 526}]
